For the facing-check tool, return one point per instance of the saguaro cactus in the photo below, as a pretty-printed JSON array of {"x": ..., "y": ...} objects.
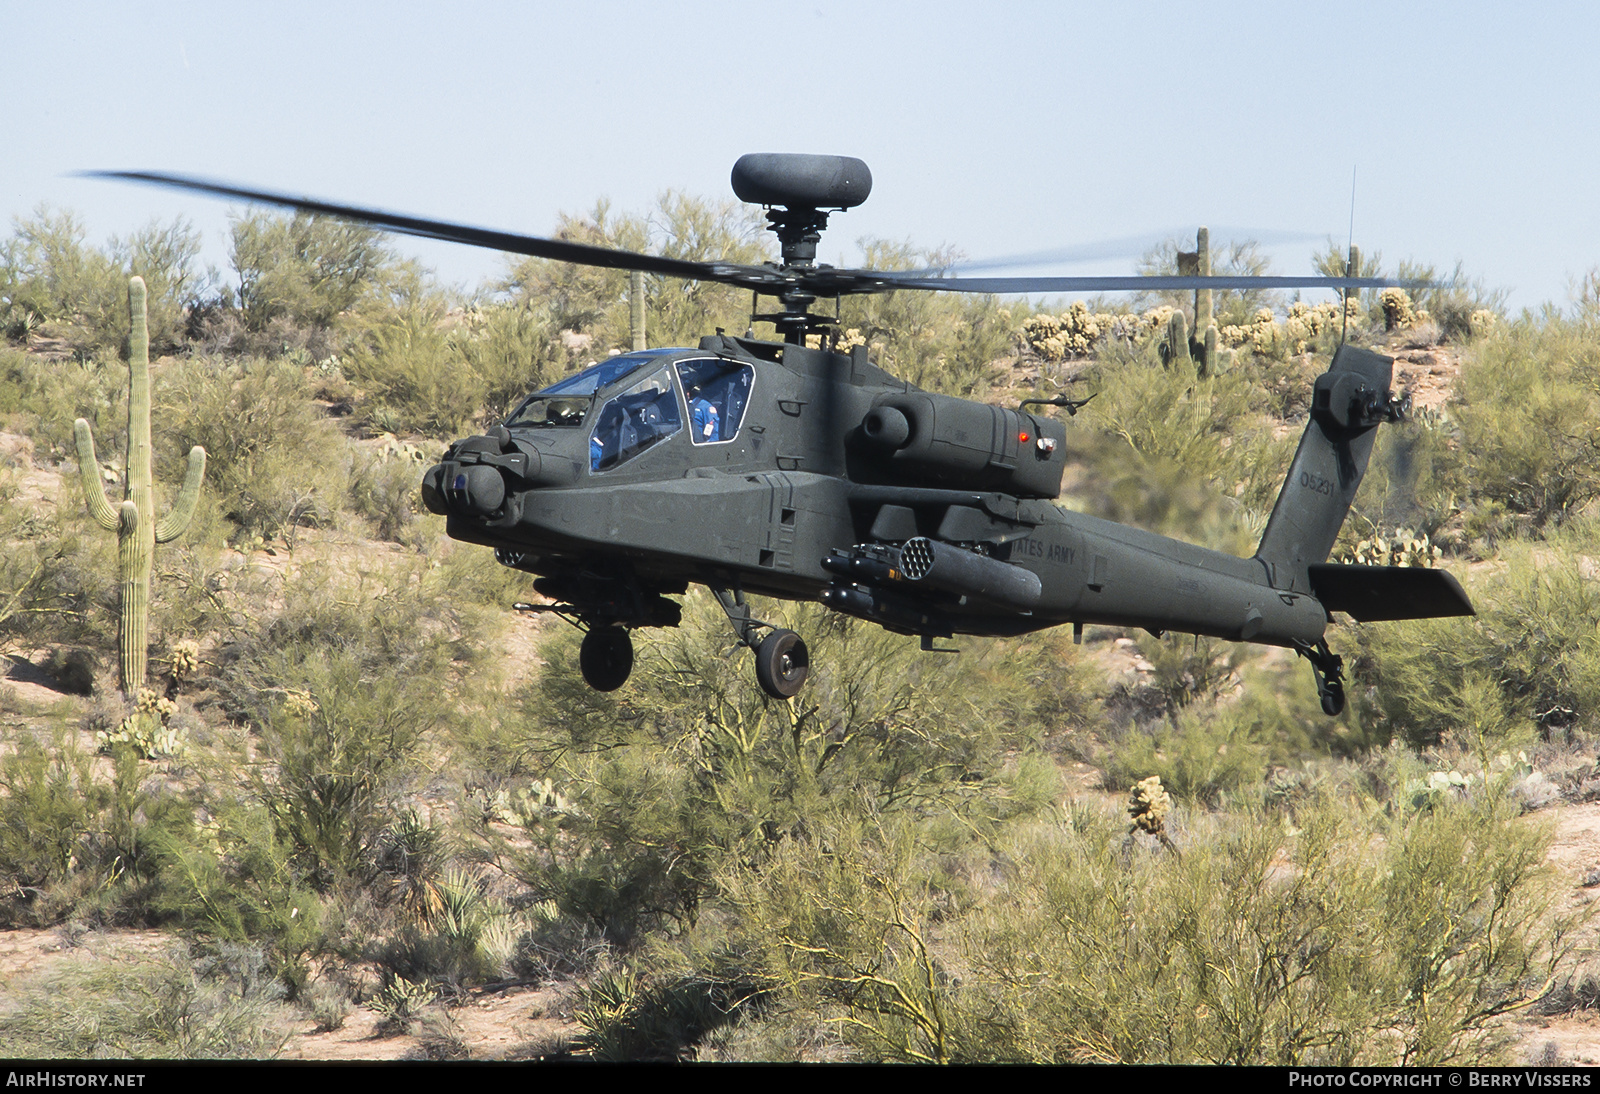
[
  {"x": 134, "y": 522},
  {"x": 1177, "y": 347}
]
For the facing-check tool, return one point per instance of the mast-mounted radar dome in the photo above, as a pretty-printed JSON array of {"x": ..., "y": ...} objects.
[{"x": 801, "y": 181}]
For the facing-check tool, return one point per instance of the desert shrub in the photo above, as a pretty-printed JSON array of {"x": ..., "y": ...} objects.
[
  {"x": 689, "y": 765},
  {"x": 1181, "y": 431},
  {"x": 80, "y": 841},
  {"x": 338, "y": 743},
  {"x": 168, "y": 1007},
  {"x": 1526, "y": 404},
  {"x": 304, "y": 268},
  {"x": 510, "y": 350},
  {"x": 423, "y": 367},
  {"x": 453, "y": 944},
  {"x": 626, "y": 1016},
  {"x": 1352, "y": 937},
  {"x": 57, "y": 574},
  {"x": 1529, "y": 659},
  {"x": 940, "y": 341},
  {"x": 41, "y": 398},
  {"x": 1399, "y": 950},
  {"x": 385, "y": 488},
  {"x": 81, "y": 293},
  {"x": 1414, "y": 480},
  {"x": 48, "y": 809},
  {"x": 270, "y": 454},
  {"x": 678, "y": 312},
  {"x": 402, "y": 361},
  {"x": 1201, "y": 753},
  {"x": 1463, "y": 307}
]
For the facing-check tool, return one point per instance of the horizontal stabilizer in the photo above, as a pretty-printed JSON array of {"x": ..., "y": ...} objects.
[{"x": 1376, "y": 593}]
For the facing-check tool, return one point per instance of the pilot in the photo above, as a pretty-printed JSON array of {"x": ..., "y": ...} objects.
[
  {"x": 605, "y": 443},
  {"x": 705, "y": 419}
]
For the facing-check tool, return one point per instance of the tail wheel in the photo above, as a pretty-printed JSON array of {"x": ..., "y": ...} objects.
[
  {"x": 606, "y": 658},
  {"x": 782, "y": 664},
  {"x": 1333, "y": 698}
]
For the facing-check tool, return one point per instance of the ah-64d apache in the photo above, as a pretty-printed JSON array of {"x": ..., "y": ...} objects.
[{"x": 803, "y": 473}]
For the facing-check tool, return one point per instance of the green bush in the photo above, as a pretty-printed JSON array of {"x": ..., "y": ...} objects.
[
  {"x": 1348, "y": 938},
  {"x": 1357, "y": 950},
  {"x": 304, "y": 268},
  {"x": 940, "y": 341},
  {"x": 271, "y": 455},
  {"x": 1183, "y": 456},
  {"x": 423, "y": 367},
  {"x": 1530, "y": 658},
  {"x": 1526, "y": 404},
  {"x": 690, "y": 766},
  {"x": 678, "y": 312},
  {"x": 163, "y": 1008},
  {"x": 80, "y": 293},
  {"x": 50, "y": 804}
]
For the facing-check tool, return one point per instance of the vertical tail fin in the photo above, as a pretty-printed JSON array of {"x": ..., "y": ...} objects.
[{"x": 1347, "y": 404}]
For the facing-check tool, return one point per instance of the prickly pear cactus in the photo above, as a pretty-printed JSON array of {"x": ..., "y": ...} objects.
[{"x": 134, "y": 522}]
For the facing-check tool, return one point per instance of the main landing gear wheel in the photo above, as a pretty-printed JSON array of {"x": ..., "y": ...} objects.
[
  {"x": 1333, "y": 698},
  {"x": 782, "y": 664},
  {"x": 606, "y": 658}
]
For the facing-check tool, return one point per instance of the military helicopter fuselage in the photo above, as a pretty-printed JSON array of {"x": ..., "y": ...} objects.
[
  {"x": 794, "y": 471},
  {"x": 726, "y": 466}
]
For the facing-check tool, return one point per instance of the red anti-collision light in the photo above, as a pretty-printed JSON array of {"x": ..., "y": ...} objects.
[{"x": 1023, "y": 437}]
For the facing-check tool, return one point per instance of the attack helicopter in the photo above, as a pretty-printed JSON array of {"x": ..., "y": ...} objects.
[{"x": 798, "y": 471}]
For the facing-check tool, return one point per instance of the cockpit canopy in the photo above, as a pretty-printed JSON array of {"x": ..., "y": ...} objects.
[
  {"x": 647, "y": 404},
  {"x": 566, "y": 402}
]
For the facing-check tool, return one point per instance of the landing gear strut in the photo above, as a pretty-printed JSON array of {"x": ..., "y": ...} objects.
[
  {"x": 782, "y": 661},
  {"x": 606, "y": 658},
  {"x": 1328, "y": 667}
]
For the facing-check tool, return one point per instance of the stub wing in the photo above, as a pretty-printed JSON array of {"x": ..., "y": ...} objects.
[{"x": 1377, "y": 593}]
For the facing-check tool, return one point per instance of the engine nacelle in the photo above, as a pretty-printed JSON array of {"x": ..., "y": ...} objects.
[{"x": 974, "y": 446}]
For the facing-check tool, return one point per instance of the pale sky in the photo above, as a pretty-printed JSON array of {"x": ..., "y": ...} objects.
[{"x": 999, "y": 128}]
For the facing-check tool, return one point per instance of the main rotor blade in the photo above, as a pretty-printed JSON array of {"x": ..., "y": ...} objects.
[
  {"x": 820, "y": 281},
  {"x": 1126, "y": 247},
  {"x": 561, "y": 251},
  {"x": 1130, "y": 284}
]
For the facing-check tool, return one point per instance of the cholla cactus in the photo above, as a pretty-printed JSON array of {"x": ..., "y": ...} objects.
[
  {"x": 1481, "y": 322},
  {"x": 185, "y": 658},
  {"x": 1266, "y": 336},
  {"x": 1073, "y": 333},
  {"x": 849, "y": 340},
  {"x": 1398, "y": 310},
  {"x": 1148, "y": 805}
]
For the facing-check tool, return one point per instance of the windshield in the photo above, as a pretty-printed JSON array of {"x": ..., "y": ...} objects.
[{"x": 565, "y": 402}]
